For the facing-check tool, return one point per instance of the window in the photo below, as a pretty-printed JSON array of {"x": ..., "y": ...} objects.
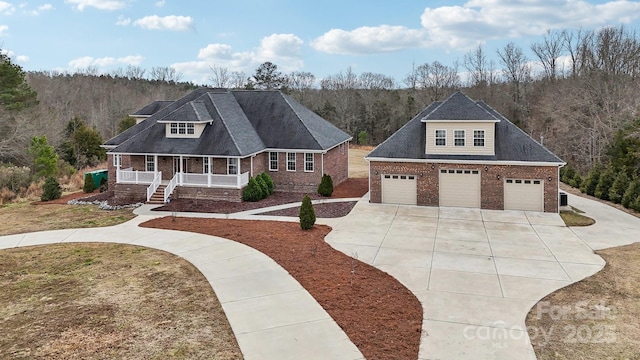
[
  {"x": 191, "y": 129},
  {"x": 205, "y": 165},
  {"x": 174, "y": 128},
  {"x": 291, "y": 161},
  {"x": 151, "y": 164},
  {"x": 182, "y": 128},
  {"x": 308, "y": 162},
  {"x": 478, "y": 137},
  {"x": 273, "y": 161},
  {"x": 441, "y": 137},
  {"x": 232, "y": 166},
  {"x": 458, "y": 137},
  {"x": 117, "y": 160}
]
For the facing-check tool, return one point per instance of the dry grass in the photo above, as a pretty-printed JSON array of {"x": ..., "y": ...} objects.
[
  {"x": 108, "y": 301},
  {"x": 596, "y": 318},
  {"x": 75, "y": 182},
  {"x": 573, "y": 218},
  {"x": 358, "y": 167},
  {"x": 24, "y": 217}
]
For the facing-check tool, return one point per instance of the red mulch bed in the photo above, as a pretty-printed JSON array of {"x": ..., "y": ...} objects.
[
  {"x": 328, "y": 210},
  {"x": 347, "y": 189},
  {"x": 380, "y": 316}
]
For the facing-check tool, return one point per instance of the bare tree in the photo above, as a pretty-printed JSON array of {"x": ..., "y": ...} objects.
[
  {"x": 548, "y": 51},
  {"x": 301, "y": 80},
  {"x": 237, "y": 80},
  {"x": 134, "y": 72},
  {"x": 437, "y": 79},
  {"x": 517, "y": 72},
  {"x": 373, "y": 81},
  {"x": 220, "y": 76},
  {"x": 478, "y": 67},
  {"x": 165, "y": 74}
]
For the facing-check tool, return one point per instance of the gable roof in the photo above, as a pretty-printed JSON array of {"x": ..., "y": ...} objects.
[
  {"x": 511, "y": 142},
  {"x": 238, "y": 123},
  {"x": 459, "y": 106}
]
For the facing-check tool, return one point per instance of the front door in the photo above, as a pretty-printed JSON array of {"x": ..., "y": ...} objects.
[{"x": 176, "y": 165}]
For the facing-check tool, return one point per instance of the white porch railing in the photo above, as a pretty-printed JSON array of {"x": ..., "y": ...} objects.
[
  {"x": 154, "y": 185},
  {"x": 215, "y": 180},
  {"x": 128, "y": 176},
  {"x": 170, "y": 187}
]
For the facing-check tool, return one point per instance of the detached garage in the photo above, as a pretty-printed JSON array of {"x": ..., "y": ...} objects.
[
  {"x": 524, "y": 194},
  {"x": 399, "y": 189}
]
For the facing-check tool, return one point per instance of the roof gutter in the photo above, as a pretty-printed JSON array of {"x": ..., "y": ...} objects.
[{"x": 472, "y": 162}]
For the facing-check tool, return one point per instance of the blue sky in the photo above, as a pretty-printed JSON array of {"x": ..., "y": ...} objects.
[{"x": 321, "y": 37}]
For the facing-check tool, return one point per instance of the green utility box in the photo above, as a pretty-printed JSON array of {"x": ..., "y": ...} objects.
[{"x": 97, "y": 176}]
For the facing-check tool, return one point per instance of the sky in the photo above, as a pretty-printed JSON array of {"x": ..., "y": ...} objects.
[{"x": 322, "y": 37}]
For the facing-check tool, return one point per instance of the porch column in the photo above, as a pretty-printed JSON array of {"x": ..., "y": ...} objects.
[
  {"x": 181, "y": 171},
  {"x": 209, "y": 170},
  {"x": 155, "y": 164}
]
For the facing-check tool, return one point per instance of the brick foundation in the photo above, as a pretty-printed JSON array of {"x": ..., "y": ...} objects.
[{"x": 492, "y": 188}]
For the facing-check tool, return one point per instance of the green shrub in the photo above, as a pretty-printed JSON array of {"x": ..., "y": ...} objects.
[
  {"x": 263, "y": 186},
  {"x": 252, "y": 192},
  {"x": 326, "y": 186},
  {"x": 620, "y": 185},
  {"x": 51, "y": 189},
  {"x": 89, "y": 185},
  {"x": 632, "y": 192},
  {"x": 307, "y": 214},
  {"x": 567, "y": 173},
  {"x": 635, "y": 204},
  {"x": 576, "y": 181},
  {"x": 604, "y": 184},
  {"x": 268, "y": 180},
  {"x": 589, "y": 184}
]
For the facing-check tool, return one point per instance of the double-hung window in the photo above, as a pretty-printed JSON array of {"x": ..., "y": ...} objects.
[
  {"x": 205, "y": 165},
  {"x": 458, "y": 137},
  {"x": 174, "y": 128},
  {"x": 273, "y": 161},
  {"x": 478, "y": 138},
  {"x": 232, "y": 166},
  {"x": 151, "y": 164},
  {"x": 441, "y": 137},
  {"x": 291, "y": 161},
  {"x": 182, "y": 128},
  {"x": 191, "y": 129},
  {"x": 308, "y": 162},
  {"x": 117, "y": 160}
]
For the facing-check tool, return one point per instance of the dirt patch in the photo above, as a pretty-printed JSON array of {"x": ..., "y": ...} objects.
[
  {"x": 358, "y": 166},
  {"x": 330, "y": 210},
  {"x": 350, "y": 188},
  {"x": 596, "y": 318},
  {"x": 380, "y": 316},
  {"x": 108, "y": 301}
]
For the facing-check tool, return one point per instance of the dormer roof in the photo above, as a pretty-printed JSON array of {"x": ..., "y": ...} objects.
[{"x": 459, "y": 107}]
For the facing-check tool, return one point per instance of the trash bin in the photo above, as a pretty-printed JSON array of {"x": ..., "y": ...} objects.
[
  {"x": 98, "y": 176},
  {"x": 564, "y": 199}
]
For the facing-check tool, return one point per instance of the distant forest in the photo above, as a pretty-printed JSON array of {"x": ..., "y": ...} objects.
[{"x": 578, "y": 96}]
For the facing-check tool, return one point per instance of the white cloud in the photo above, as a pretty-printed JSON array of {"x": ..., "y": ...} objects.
[
  {"x": 463, "y": 27},
  {"x": 171, "y": 22},
  {"x": 12, "y": 55},
  {"x": 88, "y": 61},
  {"x": 160, "y": 3},
  {"x": 3, "y": 29},
  {"x": 40, "y": 9},
  {"x": 6, "y": 8},
  {"x": 109, "y": 5},
  {"x": 122, "y": 21},
  {"x": 283, "y": 50},
  {"x": 22, "y": 58},
  {"x": 366, "y": 40}
]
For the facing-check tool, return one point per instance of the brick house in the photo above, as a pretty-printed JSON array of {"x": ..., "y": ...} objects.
[
  {"x": 462, "y": 153},
  {"x": 208, "y": 144}
]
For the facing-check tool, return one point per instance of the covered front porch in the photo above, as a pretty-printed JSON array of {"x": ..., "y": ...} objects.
[{"x": 165, "y": 173}]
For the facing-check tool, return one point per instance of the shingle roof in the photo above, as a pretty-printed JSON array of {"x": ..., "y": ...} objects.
[
  {"x": 152, "y": 108},
  {"x": 241, "y": 123},
  {"x": 511, "y": 143},
  {"x": 459, "y": 107}
]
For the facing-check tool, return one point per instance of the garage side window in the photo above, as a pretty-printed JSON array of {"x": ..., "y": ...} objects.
[
  {"x": 291, "y": 161},
  {"x": 478, "y": 138},
  {"x": 458, "y": 137},
  {"x": 441, "y": 137},
  {"x": 273, "y": 161}
]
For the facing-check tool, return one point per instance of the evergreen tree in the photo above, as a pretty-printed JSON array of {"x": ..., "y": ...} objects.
[
  {"x": 126, "y": 123},
  {"x": 326, "y": 186},
  {"x": 620, "y": 185},
  {"x": 268, "y": 180},
  {"x": 51, "y": 189},
  {"x": 89, "y": 184},
  {"x": 632, "y": 192},
  {"x": 15, "y": 93},
  {"x": 45, "y": 160},
  {"x": 589, "y": 184},
  {"x": 263, "y": 186},
  {"x": 252, "y": 192},
  {"x": 604, "y": 184},
  {"x": 268, "y": 77},
  {"x": 307, "y": 214}
]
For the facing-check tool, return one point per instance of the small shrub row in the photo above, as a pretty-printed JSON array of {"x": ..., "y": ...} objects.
[
  {"x": 606, "y": 183},
  {"x": 258, "y": 188}
]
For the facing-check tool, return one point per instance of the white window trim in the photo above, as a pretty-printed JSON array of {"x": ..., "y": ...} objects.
[
  {"x": 173, "y": 128},
  {"x": 182, "y": 128},
  {"x": 295, "y": 159},
  {"x": 191, "y": 129},
  {"x": 484, "y": 137},
  {"x": 436, "y": 138},
  {"x": 206, "y": 166},
  {"x": 117, "y": 160},
  {"x": 276, "y": 160},
  {"x": 237, "y": 165},
  {"x": 146, "y": 163},
  {"x": 464, "y": 138},
  {"x": 309, "y": 162}
]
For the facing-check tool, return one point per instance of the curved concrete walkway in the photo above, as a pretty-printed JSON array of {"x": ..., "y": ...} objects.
[
  {"x": 271, "y": 314},
  {"x": 478, "y": 272}
]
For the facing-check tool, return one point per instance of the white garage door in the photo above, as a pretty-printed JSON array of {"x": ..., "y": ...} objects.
[
  {"x": 460, "y": 188},
  {"x": 523, "y": 194},
  {"x": 399, "y": 189}
]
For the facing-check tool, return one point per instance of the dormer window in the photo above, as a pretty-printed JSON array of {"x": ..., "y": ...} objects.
[
  {"x": 458, "y": 137},
  {"x": 441, "y": 137},
  {"x": 478, "y": 138},
  {"x": 180, "y": 128}
]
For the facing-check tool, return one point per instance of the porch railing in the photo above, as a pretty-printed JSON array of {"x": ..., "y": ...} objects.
[
  {"x": 154, "y": 185},
  {"x": 129, "y": 176},
  {"x": 215, "y": 180},
  {"x": 170, "y": 187}
]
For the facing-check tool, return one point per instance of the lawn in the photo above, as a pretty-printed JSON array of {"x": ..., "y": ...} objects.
[
  {"x": 108, "y": 301},
  {"x": 596, "y": 318},
  {"x": 358, "y": 167}
]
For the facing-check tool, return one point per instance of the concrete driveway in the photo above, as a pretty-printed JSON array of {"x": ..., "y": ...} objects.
[{"x": 476, "y": 272}]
